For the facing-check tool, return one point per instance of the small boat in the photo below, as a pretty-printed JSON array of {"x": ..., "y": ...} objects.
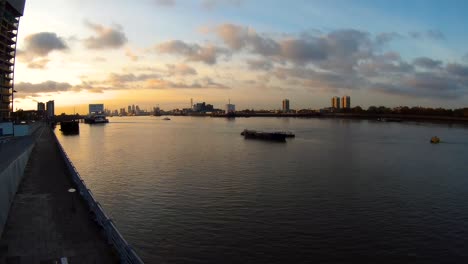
[
  {"x": 166, "y": 118},
  {"x": 390, "y": 119},
  {"x": 273, "y": 136},
  {"x": 435, "y": 140}
]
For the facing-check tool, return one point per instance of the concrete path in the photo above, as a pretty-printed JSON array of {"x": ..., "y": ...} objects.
[{"x": 43, "y": 225}]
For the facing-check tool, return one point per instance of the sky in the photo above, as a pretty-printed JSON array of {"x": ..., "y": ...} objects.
[{"x": 253, "y": 53}]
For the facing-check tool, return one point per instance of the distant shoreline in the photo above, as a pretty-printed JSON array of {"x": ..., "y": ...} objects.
[{"x": 389, "y": 117}]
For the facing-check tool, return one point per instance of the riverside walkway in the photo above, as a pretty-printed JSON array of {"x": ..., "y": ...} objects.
[{"x": 46, "y": 223}]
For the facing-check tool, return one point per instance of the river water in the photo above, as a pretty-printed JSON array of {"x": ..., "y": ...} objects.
[{"x": 192, "y": 190}]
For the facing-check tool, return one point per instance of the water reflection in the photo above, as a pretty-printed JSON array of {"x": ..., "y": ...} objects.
[{"x": 194, "y": 190}]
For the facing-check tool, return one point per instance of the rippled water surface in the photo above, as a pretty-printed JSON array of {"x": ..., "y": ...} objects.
[{"x": 192, "y": 190}]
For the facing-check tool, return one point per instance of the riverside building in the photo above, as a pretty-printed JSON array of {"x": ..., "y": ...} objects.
[
  {"x": 96, "y": 108},
  {"x": 346, "y": 102},
  {"x": 10, "y": 13},
  {"x": 286, "y": 105},
  {"x": 335, "y": 101},
  {"x": 40, "y": 106},
  {"x": 50, "y": 109}
]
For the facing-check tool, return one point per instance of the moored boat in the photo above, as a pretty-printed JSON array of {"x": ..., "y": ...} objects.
[
  {"x": 70, "y": 127},
  {"x": 96, "y": 119}
]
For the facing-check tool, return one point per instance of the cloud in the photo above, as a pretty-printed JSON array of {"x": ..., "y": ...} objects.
[
  {"x": 339, "y": 48},
  {"x": 386, "y": 37},
  {"x": 457, "y": 69},
  {"x": 387, "y": 64},
  {"x": 303, "y": 51},
  {"x": 210, "y": 4},
  {"x": 206, "y": 4},
  {"x": 346, "y": 59},
  {"x": 429, "y": 34},
  {"x": 41, "y": 44},
  {"x": 106, "y": 37},
  {"x": 38, "y": 46},
  {"x": 100, "y": 59},
  {"x": 207, "y": 82},
  {"x": 294, "y": 72},
  {"x": 204, "y": 83},
  {"x": 180, "y": 69},
  {"x": 155, "y": 81},
  {"x": 427, "y": 63},
  {"x": 259, "y": 64},
  {"x": 435, "y": 34},
  {"x": 425, "y": 85},
  {"x": 38, "y": 63},
  {"x": 192, "y": 52},
  {"x": 238, "y": 37},
  {"x": 165, "y": 2},
  {"x": 90, "y": 87},
  {"x": 26, "y": 89},
  {"x": 325, "y": 61},
  {"x": 30, "y": 90},
  {"x": 119, "y": 81},
  {"x": 465, "y": 58},
  {"x": 130, "y": 54}
]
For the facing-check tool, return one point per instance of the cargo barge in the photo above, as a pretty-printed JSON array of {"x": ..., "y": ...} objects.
[{"x": 273, "y": 136}]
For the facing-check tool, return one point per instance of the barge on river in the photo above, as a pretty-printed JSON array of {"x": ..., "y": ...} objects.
[
  {"x": 71, "y": 127},
  {"x": 273, "y": 136}
]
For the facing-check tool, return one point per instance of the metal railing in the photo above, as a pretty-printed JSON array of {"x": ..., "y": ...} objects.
[{"x": 126, "y": 253}]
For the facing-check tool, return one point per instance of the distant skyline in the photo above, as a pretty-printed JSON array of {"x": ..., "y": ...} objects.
[{"x": 256, "y": 53}]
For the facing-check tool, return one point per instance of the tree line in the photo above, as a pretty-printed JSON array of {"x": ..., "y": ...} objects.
[{"x": 405, "y": 110}]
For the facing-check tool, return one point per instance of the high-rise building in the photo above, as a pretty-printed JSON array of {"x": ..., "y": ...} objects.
[
  {"x": 40, "y": 106},
  {"x": 346, "y": 102},
  {"x": 137, "y": 110},
  {"x": 286, "y": 105},
  {"x": 10, "y": 13},
  {"x": 335, "y": 102},
  {"x": 50, "y": 108}
]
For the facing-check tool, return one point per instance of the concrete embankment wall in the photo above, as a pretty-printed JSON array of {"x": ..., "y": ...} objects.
[{"x": 11, "y": 175}]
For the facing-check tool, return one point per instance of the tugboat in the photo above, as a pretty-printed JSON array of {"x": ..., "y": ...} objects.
[{"x": 273, "y": 136}]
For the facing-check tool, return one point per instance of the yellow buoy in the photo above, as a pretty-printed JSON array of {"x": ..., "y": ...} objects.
[{"x": 435, "y": 140}]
